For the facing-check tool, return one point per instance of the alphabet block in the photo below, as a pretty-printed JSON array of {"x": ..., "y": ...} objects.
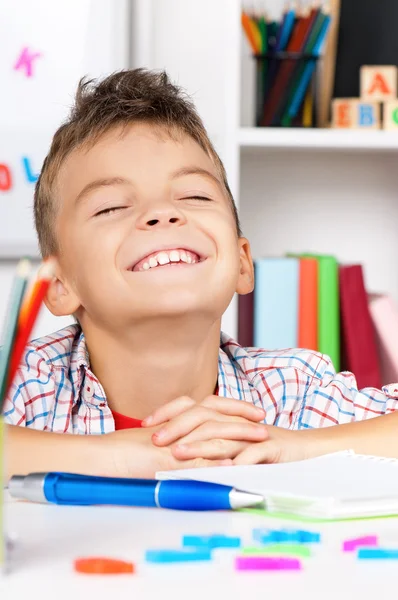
[
  {"x": 378, "y": 82},
  {"x": 351, "y": 113},
  {"x": 367, "y": 115},
  {"x": 390, "y": 115},
  {"x": 343, "y": 113}
]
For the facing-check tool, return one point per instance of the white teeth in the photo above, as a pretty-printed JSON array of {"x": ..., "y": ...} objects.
[
  {"x": 153, "y": 262},
  {"x": 174, "y": 256},
  {"x": 163, "y": 258},
  {"x": 171, "y": 256}
]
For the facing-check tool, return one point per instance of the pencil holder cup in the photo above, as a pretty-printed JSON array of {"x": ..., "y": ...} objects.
[{"x": 286, "y": 89}]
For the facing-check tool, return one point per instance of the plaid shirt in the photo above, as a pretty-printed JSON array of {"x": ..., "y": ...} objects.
[{"x": 55, "y": 390}]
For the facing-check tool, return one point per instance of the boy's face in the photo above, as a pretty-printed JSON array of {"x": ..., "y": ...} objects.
[{"x": 145, "y": 229}]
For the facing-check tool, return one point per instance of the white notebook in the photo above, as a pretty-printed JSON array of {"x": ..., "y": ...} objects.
[{"x": 336, "y": 486}]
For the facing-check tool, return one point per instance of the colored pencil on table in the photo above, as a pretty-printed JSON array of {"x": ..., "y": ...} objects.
[
  {"x": 11, "y": 323},
  {"x": 28, "y": 315}
]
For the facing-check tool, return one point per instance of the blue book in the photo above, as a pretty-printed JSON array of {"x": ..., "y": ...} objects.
[{"x": 276, "y": 295}]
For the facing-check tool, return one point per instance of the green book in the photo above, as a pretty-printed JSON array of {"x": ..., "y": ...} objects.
[{"x": 328, "y": 306}]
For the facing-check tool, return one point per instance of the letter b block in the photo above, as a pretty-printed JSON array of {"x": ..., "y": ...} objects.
[
  {"x": 367, "y": 115},
  {"x": 378, "y": 82}
]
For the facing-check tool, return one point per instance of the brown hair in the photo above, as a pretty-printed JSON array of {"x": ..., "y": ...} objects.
[{"x": 119, "y": 99}]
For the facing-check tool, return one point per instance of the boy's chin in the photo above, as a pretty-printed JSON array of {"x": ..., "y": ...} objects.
[{"x": 173, "y": 310}]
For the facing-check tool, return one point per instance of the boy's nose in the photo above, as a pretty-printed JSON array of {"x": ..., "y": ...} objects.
[{"x": 162, "y": 217}]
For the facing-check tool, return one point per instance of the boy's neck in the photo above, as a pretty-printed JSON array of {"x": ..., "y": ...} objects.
[{"x": 154, "y": 363}]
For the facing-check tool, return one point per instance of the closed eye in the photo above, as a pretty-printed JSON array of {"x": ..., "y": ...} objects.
[
  {"x": 204, "y": 198},
  {"x": 109, "y": 211}
]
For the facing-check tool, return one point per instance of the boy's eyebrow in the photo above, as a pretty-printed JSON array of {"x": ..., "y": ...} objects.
[
  {"x": 111, "y": 181},
  {"x": 196, "y": 171},
  {"x": 98, "y": 183}
]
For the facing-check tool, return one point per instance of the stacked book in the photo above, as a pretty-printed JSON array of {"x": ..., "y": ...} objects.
[{"x": 311, "y": 301}]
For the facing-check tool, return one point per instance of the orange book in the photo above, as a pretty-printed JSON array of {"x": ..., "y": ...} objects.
[{"x": 308, "y": 304}]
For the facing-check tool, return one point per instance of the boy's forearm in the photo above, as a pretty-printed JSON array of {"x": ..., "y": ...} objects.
[
  {"x": 377, "y": 436},
  {"x": 28, "y": 450}
]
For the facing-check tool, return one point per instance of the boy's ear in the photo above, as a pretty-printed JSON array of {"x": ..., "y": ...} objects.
[
  {"x": 246, "y": 268},
  {"x": 60, "y": 299}
]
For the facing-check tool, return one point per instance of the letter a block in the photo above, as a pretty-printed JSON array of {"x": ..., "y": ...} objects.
[
  {"x": 344, "y": 113},
  {"x": 378, "y": 83},
  {"x": 390, "y": 115}
]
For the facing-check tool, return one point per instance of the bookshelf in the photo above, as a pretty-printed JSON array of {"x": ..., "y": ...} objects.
[
  {"x": 297, "y": 190},
  {"x": 317, "y": 139}
]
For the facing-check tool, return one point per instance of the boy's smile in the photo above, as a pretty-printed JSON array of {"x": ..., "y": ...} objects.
[
  {"x": 146, "y": 230},
  {"x": 167, "y": 257}
]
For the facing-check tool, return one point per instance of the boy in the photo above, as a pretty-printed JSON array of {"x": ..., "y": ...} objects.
[{"x": 133, "y": 204}]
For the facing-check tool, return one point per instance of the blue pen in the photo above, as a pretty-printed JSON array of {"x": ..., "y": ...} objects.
[{"x": 85, "y": 490}]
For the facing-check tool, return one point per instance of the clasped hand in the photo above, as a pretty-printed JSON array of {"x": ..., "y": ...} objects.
[{"x": 215, "y": 429}]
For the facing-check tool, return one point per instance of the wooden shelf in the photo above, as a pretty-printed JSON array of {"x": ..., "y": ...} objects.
[{"x": 323, "y": 139}]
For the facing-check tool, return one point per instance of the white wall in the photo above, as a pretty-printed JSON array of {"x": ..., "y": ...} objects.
[{"x": 342, "y": 204}]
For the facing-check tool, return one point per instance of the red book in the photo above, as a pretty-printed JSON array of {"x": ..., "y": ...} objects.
[
  {"x": 246, "y": 320},
  {"x": 308, "y": 304},
  {"x": 359, "y": 348}
]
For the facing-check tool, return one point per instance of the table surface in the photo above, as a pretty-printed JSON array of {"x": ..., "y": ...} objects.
[{"x": 48, "y": 538}]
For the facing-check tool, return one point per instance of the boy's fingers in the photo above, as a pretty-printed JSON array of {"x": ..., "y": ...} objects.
[
  {"x": 212, "y": 449},
  {"x": 226, "y": 430},
  {"x": 169, "y": 411},
  {"x": 265, "y": 452},
  {"x": 236, "y": 408},
  {"x": 182, "y": 425}
]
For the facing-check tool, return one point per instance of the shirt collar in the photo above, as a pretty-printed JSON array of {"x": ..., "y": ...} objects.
[
  {"x": 82, "y": 356},
  {"x": 232, "y": 382}
]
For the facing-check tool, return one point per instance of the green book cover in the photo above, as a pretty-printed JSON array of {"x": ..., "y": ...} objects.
[{"x": 328, "y": 306}]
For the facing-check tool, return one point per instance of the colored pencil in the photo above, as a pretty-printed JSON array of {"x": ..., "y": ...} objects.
[
  {"x": 283, "y": 81},
  {"x": 28, "y": 315},
  {"x": 248, "y": 28},
  {"x": 11, "y": 323},
  {"x": 295, "y": 44},
  {"x": 308, "y": 71}
]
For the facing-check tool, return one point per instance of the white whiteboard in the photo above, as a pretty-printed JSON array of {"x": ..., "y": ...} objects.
[{"x": 46, "y": 46}]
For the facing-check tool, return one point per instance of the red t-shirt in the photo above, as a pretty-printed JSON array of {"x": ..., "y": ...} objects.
[{"x": 122, "y": 422}]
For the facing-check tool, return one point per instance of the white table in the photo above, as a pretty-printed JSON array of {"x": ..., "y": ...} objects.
[{"x": 48, "y": 538}]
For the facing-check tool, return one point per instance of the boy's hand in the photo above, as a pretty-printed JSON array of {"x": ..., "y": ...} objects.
[
  {"x": 217, "y": 428},
  {"x": 131, "y": 453},
  {"x": 282, "y": 445}
]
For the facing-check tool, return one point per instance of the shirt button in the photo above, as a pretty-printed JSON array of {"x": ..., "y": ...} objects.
[
  {"x": 101, "y": 404},
  {"x": 88, "y": 388},
  {"x": 391, "y": 390}
]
